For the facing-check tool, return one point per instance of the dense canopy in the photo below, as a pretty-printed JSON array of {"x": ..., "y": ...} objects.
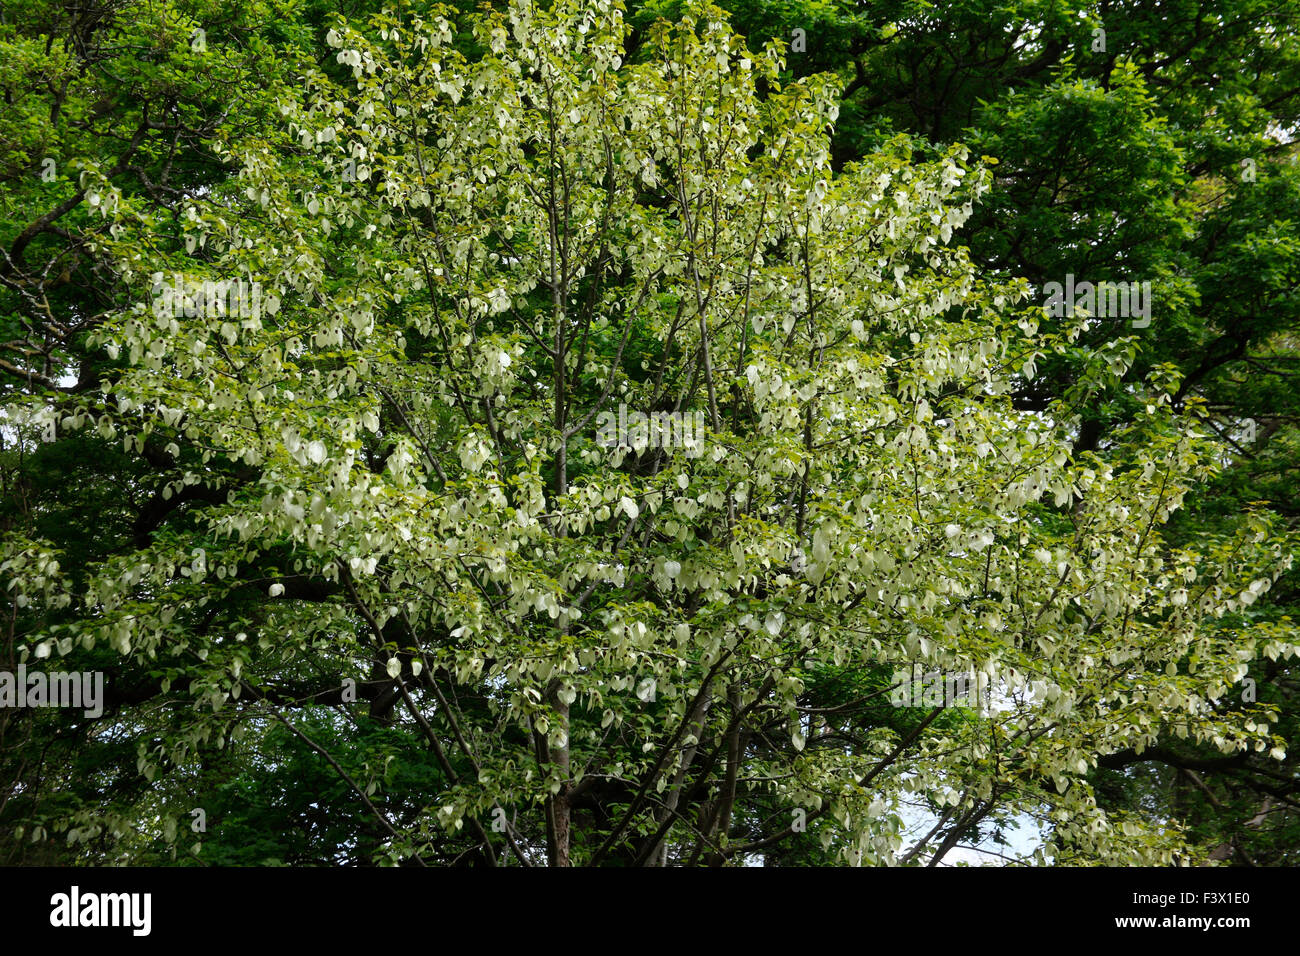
[{"x": 560, "y": 434}]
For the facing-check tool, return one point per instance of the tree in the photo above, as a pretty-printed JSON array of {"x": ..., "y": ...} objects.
[
  {"x": 367, "y": 368},
  {"x": 135, "y": 91},
  {"x": 1133, "y": 141}
]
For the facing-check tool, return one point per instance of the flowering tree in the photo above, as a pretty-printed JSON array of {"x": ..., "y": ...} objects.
[{"x": 385, "y": 489}]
